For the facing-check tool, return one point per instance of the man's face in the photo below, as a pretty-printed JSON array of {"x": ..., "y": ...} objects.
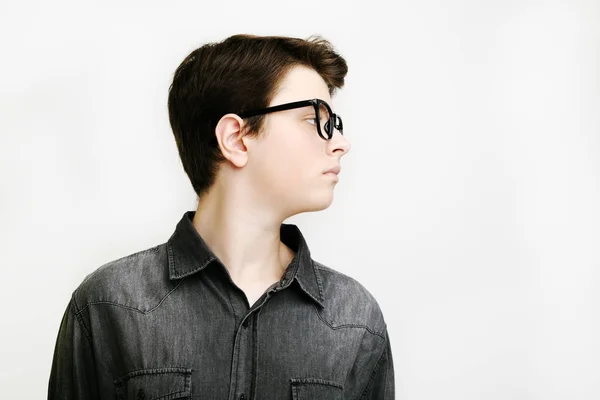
[{"x": 289, "y": 160}]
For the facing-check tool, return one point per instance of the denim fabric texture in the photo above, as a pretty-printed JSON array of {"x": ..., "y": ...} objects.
[{"x": 169, "y": 323}]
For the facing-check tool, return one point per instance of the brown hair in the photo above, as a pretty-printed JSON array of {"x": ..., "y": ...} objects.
[{"x": 237, "y": 74}]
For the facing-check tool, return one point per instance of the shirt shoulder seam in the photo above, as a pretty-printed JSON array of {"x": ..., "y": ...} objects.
[
  {"x": 112, "y": 303},
  {"x": 371, "y": 331}
]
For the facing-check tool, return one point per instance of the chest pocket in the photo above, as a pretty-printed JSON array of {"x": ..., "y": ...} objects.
[
  {"x": 316, "y": 389},
  {"x": 155, "y": 384}
]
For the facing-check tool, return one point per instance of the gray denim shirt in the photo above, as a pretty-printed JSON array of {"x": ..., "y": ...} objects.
[{"x": 169, "y": 323}]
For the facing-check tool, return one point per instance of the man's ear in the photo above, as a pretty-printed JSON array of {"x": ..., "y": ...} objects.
[{"x": 229, "y": 133}]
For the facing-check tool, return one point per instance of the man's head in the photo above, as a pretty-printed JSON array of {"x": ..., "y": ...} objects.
[{"x": 278, "y": 156}]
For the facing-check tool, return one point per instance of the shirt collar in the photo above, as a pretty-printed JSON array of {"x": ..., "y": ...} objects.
[{"x": 189, "y": 253}]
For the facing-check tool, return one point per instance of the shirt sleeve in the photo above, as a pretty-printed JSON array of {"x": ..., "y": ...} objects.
[
  {"x": 381, "y": 381},
  {"x": 73, "y": 374}
]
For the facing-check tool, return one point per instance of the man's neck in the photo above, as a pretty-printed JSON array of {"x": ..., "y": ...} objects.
[{"x": 246, "y": 242}]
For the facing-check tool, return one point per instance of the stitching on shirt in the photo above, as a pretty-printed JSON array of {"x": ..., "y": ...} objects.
[
  {"x": 318, "y": 282},
  {"x": 347, "y": 325},
  {"x": 154, "y": 371},
  {"x": 309, "y": 293},
  {"x": 373, "y": 373},
  {"x": 315, "y": 381},
  {"x": 80, "y": 321},
  {"x": 188, "y": 382},
  {"x": 112, "y": 303},
  {"x": 99, "y": 362},
  {"x": 170, "y": 256},
  {"x": 324, "y": 267},
  {"x": 231, "y": 304},
  {"x": 177, "y": 274},
  {"x": 186, "y": 373}
]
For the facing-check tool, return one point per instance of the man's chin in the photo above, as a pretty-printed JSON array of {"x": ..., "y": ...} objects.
[{"x": 320, "y": 205}]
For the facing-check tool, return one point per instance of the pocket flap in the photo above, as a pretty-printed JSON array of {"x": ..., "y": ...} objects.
[
  {"x": 155, "y": 384},
  {"x": 315, "y": 388}
]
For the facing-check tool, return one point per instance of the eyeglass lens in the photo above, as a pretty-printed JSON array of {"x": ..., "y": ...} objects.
[{"x": 325, "y": 121}]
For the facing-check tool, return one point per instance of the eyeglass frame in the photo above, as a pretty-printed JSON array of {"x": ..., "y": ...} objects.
[{"x": 334, "y": 119}]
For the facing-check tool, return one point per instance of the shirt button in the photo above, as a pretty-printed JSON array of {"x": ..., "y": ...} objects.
[
  {"x": 245, "y": 325},
  {"x": 242, "y": 397}
]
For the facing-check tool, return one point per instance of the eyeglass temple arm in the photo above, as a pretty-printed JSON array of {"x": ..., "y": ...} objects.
[{"x": 282, "y": 107}]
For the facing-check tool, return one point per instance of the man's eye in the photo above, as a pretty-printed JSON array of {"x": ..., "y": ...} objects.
[{"x": 312, "y": 121}]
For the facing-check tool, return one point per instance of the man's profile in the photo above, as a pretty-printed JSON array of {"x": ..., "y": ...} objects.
[{"x": 232, "y": 306}]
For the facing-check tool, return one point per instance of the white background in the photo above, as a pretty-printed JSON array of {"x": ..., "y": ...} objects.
[{"x": 468, "y": 206}]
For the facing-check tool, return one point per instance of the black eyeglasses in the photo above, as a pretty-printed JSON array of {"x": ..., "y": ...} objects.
[{"x": 325, "y": 118}]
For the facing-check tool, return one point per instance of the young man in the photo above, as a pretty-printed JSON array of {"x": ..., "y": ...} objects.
[{"x": 232, "y": 306}]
